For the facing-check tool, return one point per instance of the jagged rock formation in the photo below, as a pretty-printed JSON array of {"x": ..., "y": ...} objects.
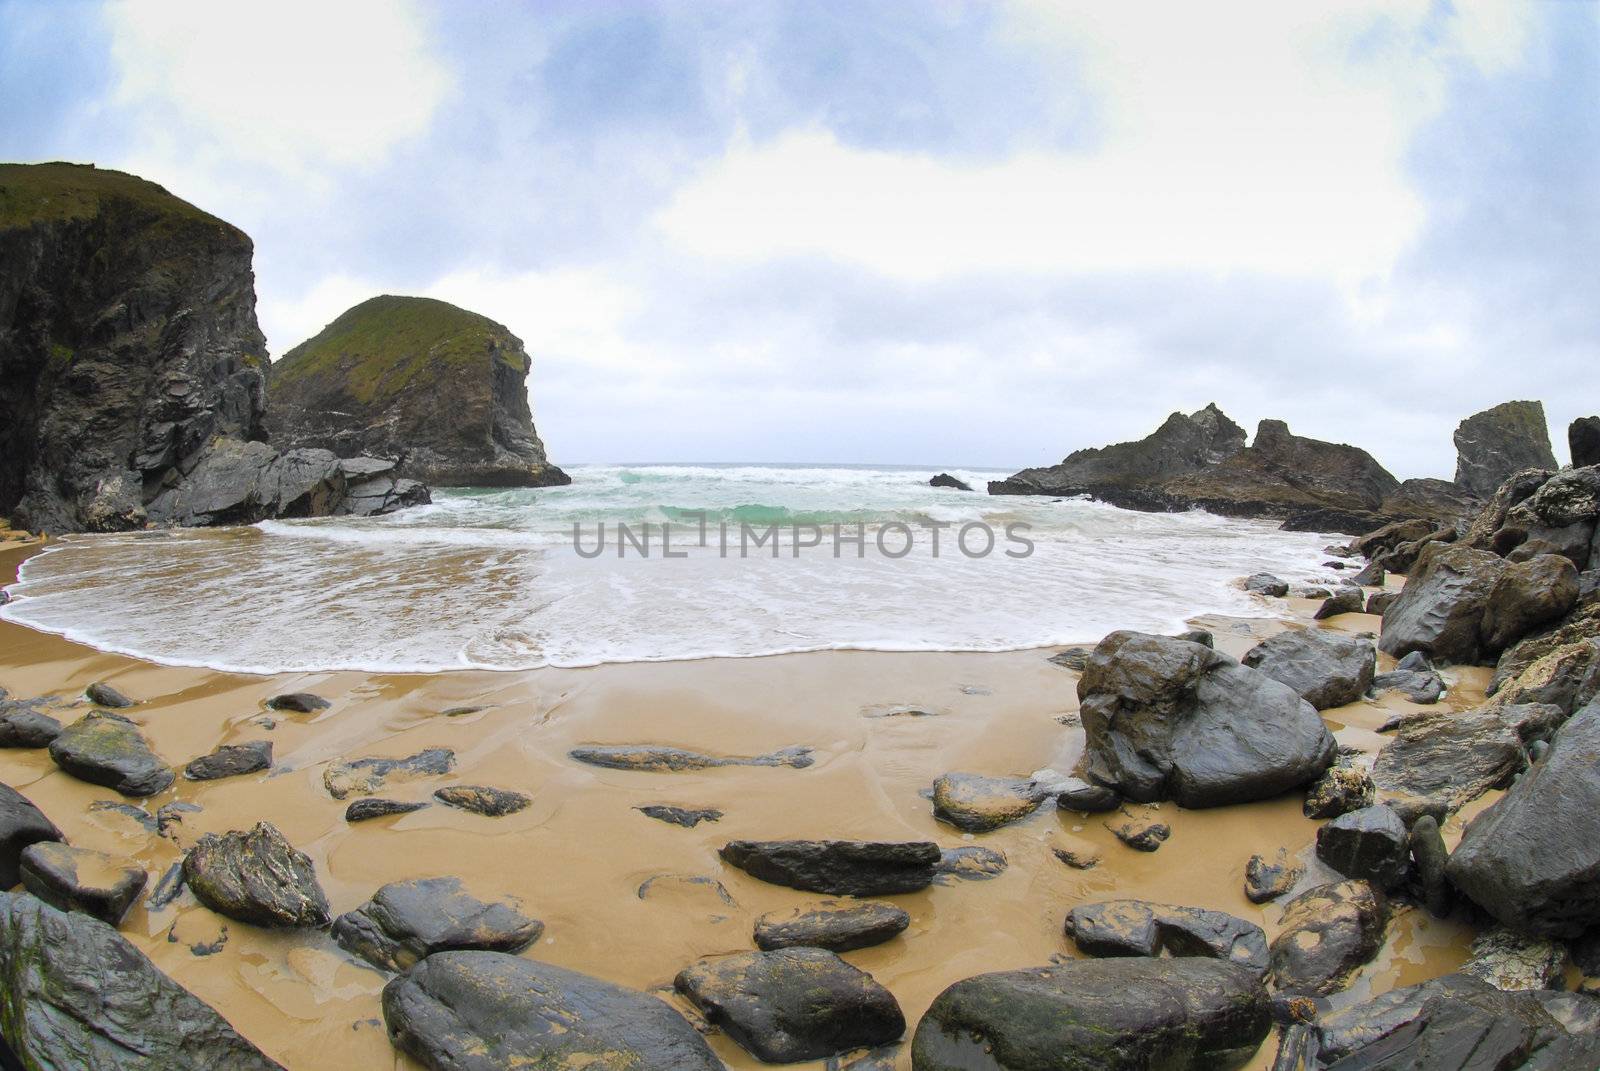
[
  {"x": 1497, "y": 442},
  {"x": 438, "y": 389},
  {"x": 132, "y": 370}
]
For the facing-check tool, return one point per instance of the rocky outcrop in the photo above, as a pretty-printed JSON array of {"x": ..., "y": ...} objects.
[
  {"x": 838, "y": 867},
  {"x": 132, "y": 370},
  {"x": 406, "y": 921},
  {"x": 438, "y": 389},
  {"x": 944, "y": 479},
  {"x": 1438, "y": 501},
  {"x": 1497, "y": 442}
]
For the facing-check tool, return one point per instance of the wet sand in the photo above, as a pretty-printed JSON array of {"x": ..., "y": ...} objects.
[{"x": 579, "y": 854}]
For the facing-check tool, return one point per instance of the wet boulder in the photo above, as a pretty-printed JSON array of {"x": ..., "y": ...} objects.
[
  {"x": 792, "y": 1004},
  {"x": 1326, "y": 669},
  {"x": 21, "y": 824},
  {"x": 1438, "y": 763},
  {"x": 406, "y": 921},
  {"x": 1527, "y": 595},
  {"x": 1370, "y": 843},
  {"x": 1266, "y": 584},
  {"x": 482, "y": 1011},
  {"x": 1346, "y": 600},
  {"x": 836, "y": 925},
  {"x": 231, "y": 760},
  {"x": 102, "y": 694},
  {"x": 969, "y": 862},
  {"x": 23, "y": 725},
  {"x": 1568, "y": 678},
  {"x": 944, "y": 479},
  {"x": 1415, "y": 677},
  {"x": 1141, "y": 833},
  {"x": 1106, "y": 1014},
  {"x": 1325, "y": 935},
  {"x": 78, "y": 879},
  {"x": 108, "y": 749},
  {"x": 298, "y": 703},
  {"x": 1140, "y": 928},
  {"x": 1440, "y": 611},
  {"x": 374, "y": 807},
  {"x": 978, "y": 804},
  {"x": 838, "y": 867},
  {"x": 1170, "y": 719},
  {"x": 1344, "y": 787},
  {"x": 256, "y": 877},
  {"x": 483, "y": 799}
]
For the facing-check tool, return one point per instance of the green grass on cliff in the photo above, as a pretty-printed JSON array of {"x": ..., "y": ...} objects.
[
  {"x": 386, "y": 344},
  {"x": 36, "y": 193}
]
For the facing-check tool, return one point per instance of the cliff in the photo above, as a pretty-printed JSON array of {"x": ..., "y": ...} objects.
[{"x": 440, "y": 390}]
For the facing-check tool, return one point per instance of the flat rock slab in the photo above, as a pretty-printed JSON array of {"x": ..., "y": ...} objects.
[
  {"x": 231, "y": 760},
  {"x": 1107, "y": 1014},
  {"x": 1325, "y": 935},
  {"x": 481, "y": 799},
  {"x": 1439, "y": 762},
  {"x": 838, "y": 867},
  {"x": 21, "y": 824},
  {"x": 108, "y": 749},
  {"x": 674, "y": 759},
  {"x": 256, "y": 877},
  {"x": 836, "y": 925},
  {"x": 373, "y": 807},
  {"x": 977, "y": 804},
  {"x": 78, "y": 879},
  {"x": 406, "y": 921},
  {"x": 488, "y": 1011},
  {"x": 1326, "y": 669},
  {"x": 687, "y": 817},
  {"x": 133, "y": 1018},
  {"x": 365, "y": 776},
  {"x": 1141, "y": 928},
  {"x": 793, "y": 1004}
]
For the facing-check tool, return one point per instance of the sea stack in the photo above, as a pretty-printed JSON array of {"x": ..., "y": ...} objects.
[
  {"x": 438, "y": 389},
  {"x": 1499, "y": 442}
]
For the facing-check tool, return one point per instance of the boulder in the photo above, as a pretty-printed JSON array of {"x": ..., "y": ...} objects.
[
  {"x": 1498, "y": 442},
  {"x": 256, "y": 877},
  {"x": 838, "y": 926},
  {"x": 1266, "y": 584},
  {"x": 481, "y": 1011},
  {"x": 102, "y": 694},
  {"x": 978, "y": 804},
  {"x": 1371, "y": 843},
  {"x": 1380, "y": 601},
  {"x": 406, "y": 921},
  {"x": 107, "y": 749},
  {"x": 23, "y": 725},
  {"x": 1583, "y": 440},
  {"x": 1326, "y": 669},
  {"x": 1369, "y": 576},
  {"x": 1527, "y": 594},
  {"x": 1325, "y": 935},
  {"x": 1267, "y": 879},
  {"x": 1567, "y": 678},
  {"x": 944, "y": 479},
  {"x": 675, "y": 759},
  {"x": 838, "y": 867},
  {"x": 1437, "y": 764},
  {"x": 74, "y": 993},
  {"x": 1440, "y": 611},
  {"x": 1512, "y": 492},
  {"x": 231, "y": 760},
  {"x": 1347, "y": 600},
  {"x": 1169, "y": 719},
  {"x": 21, "y": 824},
  {"x": 792, "y": 1004},
  {"x": 1106, "y": 1014},
  {"x": 78, "y": 879},
  {"x": 1561, "y": 511},
  {"x": 1140, "y": 928},
  {"x": 365, "y": 776},
  {"x": 1583, "y": 623},
  {"x": 484, "y": 800},
  {"x": 373, "y": 807}
]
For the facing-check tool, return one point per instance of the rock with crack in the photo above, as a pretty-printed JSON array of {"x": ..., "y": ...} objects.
[
  {"x": 838, "y": 867},
  {"x": 108, "y": 749},
  {"x": 979, "y": 804},
  {"x": 256, "y": 877},
  {"x": 674, "y": 759},
  {"x": 484, "y": 800},
  {"x": 78, "y": 879},
  {"x": 836, "y": 925},
  {"x": 1141, "y": 928},
  {"x": 1326, "y": 669},
  {"x": 1325, "y": 935},
  {"x": 365, "y": 776},
  {"x": 406, "y": 921}
]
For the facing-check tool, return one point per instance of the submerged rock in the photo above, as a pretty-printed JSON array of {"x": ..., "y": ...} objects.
[
  {"x": 1266, "y": 584},
  {"x": 1325, "y": 669},
  {"x": 1494, "y": 444},
  {"x": 792, "y": 1004},
  {"x": 838, "y": 867},
  {"x": 1325, "y": 935},
  {"x": 231, "y": 760},
  {"x": 108, "y": 749},
  {"x": 687, "y": 817},
  {"x": 373, "y": 807},
  {"x": 1371, "y": 843},
  {"x": 364, "y": 776},
  {"x": 406, "y": 921},
  {"x": 481, "y": 799},
  {"x": 838, "y": 926},
  {"x": 661, "y": 759},
  {"x": 21, "y": 824},
  {"x": 77, "y": 879},
  {"x": 256, "y": 877},
  {"x": 462, "y": 1011},
  {"x": 978, "y": 804},
  {"x": 969, "y": 862},
  {"x": 1140, "y": 928}
]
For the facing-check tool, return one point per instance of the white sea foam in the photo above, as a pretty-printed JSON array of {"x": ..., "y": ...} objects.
[{"x": 489, "y": 578}]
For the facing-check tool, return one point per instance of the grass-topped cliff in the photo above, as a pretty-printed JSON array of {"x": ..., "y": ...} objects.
[{"x": 44, "y": 193}]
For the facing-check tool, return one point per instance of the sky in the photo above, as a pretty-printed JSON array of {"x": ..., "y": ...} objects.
[{"x": 885, "y": 231}]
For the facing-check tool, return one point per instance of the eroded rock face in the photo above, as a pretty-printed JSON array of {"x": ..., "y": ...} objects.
[
  {"x": 108, "y": 749},
  {"x": 1498, "y": 442},
  {"x": 484, "y": 1011},
  {"x": 1440, "y": 611},
  {"x": 1140, "y": 928},
  {"x": 1326, "y": 935},
  {"x": 836, "y": 925},
  {"x": 1169, "y": 719},
  {"x": 134, "y": 1017},
  {"x": 406, "y": 921},
  {"x": 838, "y": 867},
  {"x": 256, "y": 877},
  {"x": 1326, "y": 669},
  {"x": 438, "y": 389}
]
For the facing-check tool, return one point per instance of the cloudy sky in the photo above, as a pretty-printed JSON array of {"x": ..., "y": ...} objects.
[{"x": 939, "y": 233}]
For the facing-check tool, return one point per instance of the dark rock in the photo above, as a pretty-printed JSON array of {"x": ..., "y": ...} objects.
[
  {"x": 23, "y": 726},
  {"x": 1583, "y": 440},
  {"x": 481, "y": 799},
  {"x": 1380, "y": 601},
  {"x": 299, "y": 703},
  {"x": 1438, "y": 763},
  {"x": 838, "y": 926},
  {"x": 1075, "y": 794},
  {"x": 406, "y": 921},
  {"x": 1311, "y": 592},
  {"x": 1325, "y": 935},
  {"x": 77, "y": 879},
  {"x": 1141, "y": 834},
  {"x": 104, "y": 695},
  {"x": 1343, "y": 787},
  {"x": 1561, "y": 512},
  {"x": 1532, "y": 859},
  {"x": 1198, "y": 635},
  {"x": 978, "y": 804},
  {"x": 231, "y": 760},
  {"x": 1326, "y": 669},
  {"x": 128, "y": 810},
  {"x": 1377, "y": 542},
  {"x": 970, "y": 862},
  {"x": 256, "y": 877},
  {"x": 1140, "y": 928},
  {"x": 1105, "y": 1014},
  {"x": 1438, "y": 501},
  {"x": 171, "y": 814},
  {"x": 365, "y": 776},
  {"x": 1371, "y": 843},
  {"x": 167, "y": 888},
  {"x": 1168, "y": 719},
  {"x": 440, "y": 389},
  {"x": 1512, "y": 492},
  {"x": 374, "y": 807},
  {"x": 108, "y": 749},
  {"x": 1266, "y": 880},
  {"x": 1510, "y": 960},
  {"x": 1499, "y": 442},
  {"x": 466, "y": 1011},
  {"x": 1527, "y": 595},
  {"x": 687, "y": 817},
  {"x": 944, "y": 479},
  {"x": 1352, "y": 522},
  {"x": 792, "y": 1004},
  {"x": 662, "y": 759},
  {"x": 21, "y": 824},
  {"x": 1266, "y": 584},
  {"x": 1348, "y": 600},
  {"x": 75, "y": 994},
  {"x": 1440, "y": 611},
  {"x": 1429, "y": 857},
  {"x": 1073, "y": 658},
  {"x": 1419, "y": 686},
  {"x": 838, "y": 867},
  {"x": 1371, "y": 576}
]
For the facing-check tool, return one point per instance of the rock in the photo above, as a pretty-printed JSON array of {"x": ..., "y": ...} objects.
[
  {"x": 102, "y": 694},
  {"x": 663, "y": 759},
  {"x": 1510, "y": 960},
  {"x": 464, "y": 1011},
  {"x": 481, "y": 799},
  {"x": 1078, "y": 854},
  {"x": 299, "y": 703},
  {"x": 1527, "y": 594},
  {"x": 1499, "y": 442},
  {"x": 1266, "y": 880},
  {"x": 687, "y": 817},
  {"x": 406, "y": 921},
  {"x": 1371, "y": 576},
  {"x": 1168, "y": 719},
  {"x": 1325, "y": 935},
  {"x": 979, "y": 804},
  {"x": 1076, "y": 794},
  {"x": 1353, "y": 522},
  {"x": 1326, "y": 669},
  {"x": 970, "y": 862},
  {"x": 21, "y": 824},
  {"x": 1140, "y": 928},
  {"x": 23, "y": 726},
  {"x": 838, "y": 926},
  {"x": 1429, "y": 857},
  {"x": 1560, "y": 512},
  {"x": 1583, "y": 440},
  {"x": 108, "y": 749},
  {"x": 1266, "y": 584},
  {"x": 146, "y": 820},
  {"x": 365, "y": 776},
  {"x": 1567, "y": 678},
  {"x": 1073, "y": 658},
  {"x": 256, "y": 877},
  {"x": 792, "y": 1004},
  {"x": 171, "y": 814},
  {"x": 1437, "y": 764},
  {"x": 1375, "y": 543},
  {"x": 75, "y": 994},
  {"x": 944, "y": 479},
  {"x": 1437, "y": 501},
  {"x": 1371, "y": 843},
  {"x": 1440, "y": 611},
  {"x": 1380, "y": 601},
  {"x": 1343, "y": 787},
  {"x": 1347, "y": 600},
  {"x": 373, "y": 807},
  {"x": 1419, "y": 686},
  {"x": 231, "y": 760},
  {"x": 1141, "y": 834},
  {"x": 1532, "y": 858},
  {"x": 838, "y": 867},
  {"x": 1311, "y": 592},
  {"x": 1105, "y": 1014},
  {"x": 77, "y": 879},
  {"x": 1512, "y": 492}
]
